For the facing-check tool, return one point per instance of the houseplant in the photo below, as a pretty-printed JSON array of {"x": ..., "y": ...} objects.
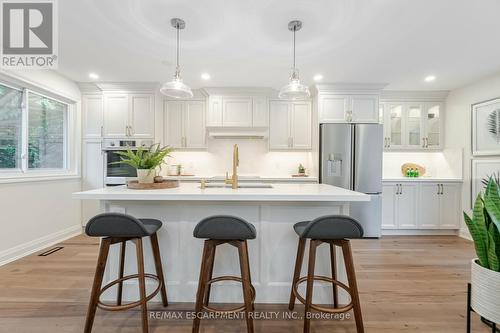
[
  {"x": 145, "y": 160},
  {"x": 484, "y": 227}
]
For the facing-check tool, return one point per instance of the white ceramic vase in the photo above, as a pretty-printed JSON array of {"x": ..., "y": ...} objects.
[
  {"x": 485, "y": 292},
  {"x": 146, "y": 176}
]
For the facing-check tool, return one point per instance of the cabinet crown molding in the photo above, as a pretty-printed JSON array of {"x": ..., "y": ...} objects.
[
  {"x": 409, "y": 95},
  {"x": 343, "y": 87},
  {"x": 240, "y": 91}
]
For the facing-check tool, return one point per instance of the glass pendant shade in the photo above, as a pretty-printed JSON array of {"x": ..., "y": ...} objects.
[
  {"x": 176, "y": 88},
  {"x": 294, "y": 89}
]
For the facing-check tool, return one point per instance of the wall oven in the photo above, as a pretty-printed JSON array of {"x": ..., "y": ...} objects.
[{"x": 118, "y": 173}]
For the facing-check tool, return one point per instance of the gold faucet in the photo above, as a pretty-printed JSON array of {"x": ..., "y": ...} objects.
[{"x": 236, "y": 162}]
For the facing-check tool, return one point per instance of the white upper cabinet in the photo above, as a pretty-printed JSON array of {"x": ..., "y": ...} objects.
[
  {"x": 290, "y": 125},
  {"x": 214, "y": 111},
  {"x": 128, "y": 115},
  {"x": 260, "y": 112},
  {"x": 184, "y": 124},
  {"x": 92, "y": 115},
  {"x": 412, "y": 125},
  {"x": 116, "y": 115},
  {"x": 237, "y": 111},
  {"x": 343, "y": 108},
  {"x": 141, "y": 113}
]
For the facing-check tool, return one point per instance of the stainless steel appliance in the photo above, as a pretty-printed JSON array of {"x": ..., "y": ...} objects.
[
  {"x": 351, "y": 157},
  {"x": 118, "y": 173}
]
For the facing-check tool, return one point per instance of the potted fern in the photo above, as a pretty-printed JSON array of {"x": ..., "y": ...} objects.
[
  {"x": 145, "y": 161},
  {"x": 484, "y": 227}
]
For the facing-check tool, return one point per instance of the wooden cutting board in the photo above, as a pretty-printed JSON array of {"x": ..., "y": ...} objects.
[
  {"x": 167, "y": 183},
  {"x": 409, "y": 165}
]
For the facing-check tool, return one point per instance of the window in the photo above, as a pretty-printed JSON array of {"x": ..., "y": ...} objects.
[
  {"x": 10, "y": 127},
  {"x": 33, "y": 131}
]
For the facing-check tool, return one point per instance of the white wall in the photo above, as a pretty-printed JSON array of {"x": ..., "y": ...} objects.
[
  {"x": 255, "y": 159},
  {"x": 458, "y": 124},
  {"x": 36, "y": 214}
]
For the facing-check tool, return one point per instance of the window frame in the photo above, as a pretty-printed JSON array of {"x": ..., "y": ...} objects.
[{"x": 23, "y": 172}]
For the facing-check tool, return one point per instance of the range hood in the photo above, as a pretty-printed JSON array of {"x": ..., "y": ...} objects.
[{"x": 258, "y": 133}]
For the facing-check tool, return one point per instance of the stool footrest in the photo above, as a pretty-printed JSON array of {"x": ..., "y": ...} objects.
[
  {"x": 316, "y": 307},
  {"x": 228, "y": 278},
  {"x": 112, "y": 307}
]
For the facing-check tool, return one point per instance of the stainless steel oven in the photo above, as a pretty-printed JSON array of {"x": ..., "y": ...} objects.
[{"x": 118, "y": 173}]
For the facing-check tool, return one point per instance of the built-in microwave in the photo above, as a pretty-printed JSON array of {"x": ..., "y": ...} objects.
[{"x": 116, "y": 173}]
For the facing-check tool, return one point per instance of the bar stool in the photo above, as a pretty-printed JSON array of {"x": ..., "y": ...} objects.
[
  {"x": 334, "y": 230},
  {"x": 120, "y": 228},
  {"x": 218, "y": 230}
]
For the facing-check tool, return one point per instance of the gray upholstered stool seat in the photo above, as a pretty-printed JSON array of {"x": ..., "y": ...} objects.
[
  {"x": 329, "y": 227},
  {"x": 121, "y": 225},
  {"x": 224, "y": 227}
]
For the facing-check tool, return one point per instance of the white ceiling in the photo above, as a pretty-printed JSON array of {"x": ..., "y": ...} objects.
[{"x": 246, "y": 43}]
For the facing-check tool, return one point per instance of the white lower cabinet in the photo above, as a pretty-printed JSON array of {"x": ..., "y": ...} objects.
[{"x": 421, "y": 205}]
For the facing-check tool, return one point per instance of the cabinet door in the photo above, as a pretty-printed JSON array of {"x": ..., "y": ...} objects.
[
  {"x": 279, "y": 125},
  {"x": 116, "y": 115},
  {"x": 406, "y": 206},
  {"x": 433, "y": 123},
  {"x": 332, "y": 108},
  {"x": 301, "y": 125},
  {"x": 214, "y": 111},
  {"x": 173, "y": 124},
  {"x": 413, "y": 126},
  {"x": 142, "y": 115},
  {"x": 428, "y": 206},
  {"x": 92, "y": 116},
  {"x": 237, "y": 112},
  {"x": 194, "y": 123},
  {"x": 388, "y": 206},
  {"x": 92, "y": 175},
  {"x": 394, "y": 121},
  {"x": 260, "y": 112},
  {"x": 450, "y": 206},
  {"x": 364, "y": 108}
]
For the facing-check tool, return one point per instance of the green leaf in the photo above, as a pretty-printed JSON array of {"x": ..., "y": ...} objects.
[
  {"x": 493, "y": 259},
  {"x": 492, "y": 202},
  {"x": 479, "y": 243}
]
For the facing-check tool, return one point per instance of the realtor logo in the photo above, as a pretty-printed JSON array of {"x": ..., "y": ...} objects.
[{"x": 29, "y": 38}]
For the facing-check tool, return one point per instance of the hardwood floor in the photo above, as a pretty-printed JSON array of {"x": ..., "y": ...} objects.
[{"x": 407, "y": 284}]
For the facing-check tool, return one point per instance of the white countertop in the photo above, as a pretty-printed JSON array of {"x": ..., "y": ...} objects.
[
  {"x": 193, "y": 192},
  {"x": 308, "y": 179},
  {"x": 423, "y": 179}
]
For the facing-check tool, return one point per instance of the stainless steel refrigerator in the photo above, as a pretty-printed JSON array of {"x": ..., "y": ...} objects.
[{"x": 351, "y": 157}]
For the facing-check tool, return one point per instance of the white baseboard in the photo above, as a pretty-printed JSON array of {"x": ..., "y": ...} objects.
[
  {"x": 464, "y": 233},
  {"x": 38, "y": 244},
  {"x": 418, "y": 232}
]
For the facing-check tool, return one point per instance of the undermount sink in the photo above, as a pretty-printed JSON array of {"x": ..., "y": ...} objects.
[{"x": 240, "y": 185}]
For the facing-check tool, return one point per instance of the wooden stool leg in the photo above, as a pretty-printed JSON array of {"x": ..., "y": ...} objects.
[
  {"x": 333, "y": 260},
  {"x": 296, "y": 274},
  {"x": 245, "y": 276},
  {"x": 353, "y": 287},
  {"x": 208, "y": 247},
  {"x": 159, "y": 268},
  {"x": 310, "y": 282},
  {"x": 119, "y": 295},
  {"x": 211, "y": 262},
  {"x": 96, "y": 287},
  {"x": 249, "y": 271},
  {"x": 142, "y": 283}
]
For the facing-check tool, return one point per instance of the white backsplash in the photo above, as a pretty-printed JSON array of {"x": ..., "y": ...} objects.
[
  {"x": 443, "y": 164},
  {"x": 255, "y": 159}
]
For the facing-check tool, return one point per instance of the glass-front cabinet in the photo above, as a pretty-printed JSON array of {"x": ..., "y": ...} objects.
[{"x": 411, "y": 125}]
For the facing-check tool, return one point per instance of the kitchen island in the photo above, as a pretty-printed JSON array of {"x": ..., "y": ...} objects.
[{"x": 273, "y": 211}]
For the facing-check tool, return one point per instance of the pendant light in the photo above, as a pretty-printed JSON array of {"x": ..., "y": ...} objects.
[
  {"x": 294, "y": 89},
  {"x": 176, "y": 88}
]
